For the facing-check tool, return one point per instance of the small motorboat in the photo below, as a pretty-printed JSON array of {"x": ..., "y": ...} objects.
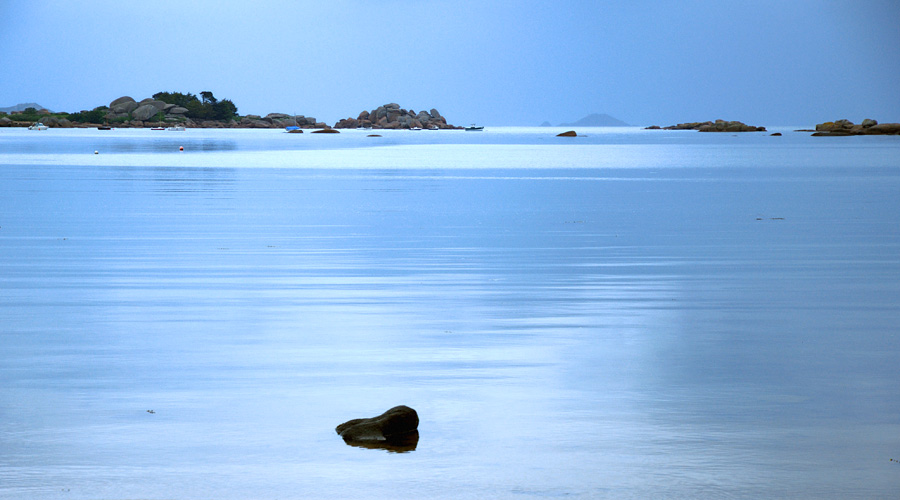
[
  {"x": 176, "y": 128},
  {"x": 473, "y": 128},
  {"x": 38, "y": 126},
  {"x": 415, "y": 128},
  {"x": 104, "y": 127},
  {"x": 157, "y": 128}
]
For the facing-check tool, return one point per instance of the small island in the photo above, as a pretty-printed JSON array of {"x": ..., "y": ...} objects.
[
  {"x": 708, "y": 126},
  {"x": 868, "y": 126},
  {"x": 392, "y": 116}
]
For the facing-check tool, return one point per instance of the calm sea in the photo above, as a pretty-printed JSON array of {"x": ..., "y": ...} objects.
[{"x": 626, "y": 314}]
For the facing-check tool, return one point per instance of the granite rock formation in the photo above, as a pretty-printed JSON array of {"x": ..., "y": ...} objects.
[
  {"x": 392, "y": 116},
  {"x": 846, "y": 127},
  {"x": 126, "y": 112},
  {"x": 716, "y": 126}
]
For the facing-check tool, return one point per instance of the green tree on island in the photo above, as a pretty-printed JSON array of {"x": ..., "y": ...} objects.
[
  {"x": 176, "y": 98},
  {"x": 209, "y": 109},
  {"x": 96, "y": 115}
]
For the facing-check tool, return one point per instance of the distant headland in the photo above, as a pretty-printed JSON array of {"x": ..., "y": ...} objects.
[
  {"x": 592, "y": 120},
  {"x": 596, "y": 120},
  {"x": 165, "y": 109}
]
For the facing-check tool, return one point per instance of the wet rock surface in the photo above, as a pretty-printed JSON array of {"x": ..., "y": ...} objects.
[{"x": 394, "y": 430}]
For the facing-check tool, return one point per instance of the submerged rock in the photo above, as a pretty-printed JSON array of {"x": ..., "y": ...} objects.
[{"x": 570, "y": 133}]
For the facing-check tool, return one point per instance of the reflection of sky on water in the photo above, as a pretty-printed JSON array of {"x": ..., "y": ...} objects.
[{"x": 705, "y": 330}]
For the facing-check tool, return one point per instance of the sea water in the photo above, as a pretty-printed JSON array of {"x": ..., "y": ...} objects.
[{"x": 624, "y": 314}]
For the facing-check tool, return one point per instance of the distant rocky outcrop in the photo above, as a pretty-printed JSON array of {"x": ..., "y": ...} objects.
[
  {"x": 597, "y": 120},
  {"x": 570, "y": 133},
  {"x": 716, "y": 126},
  {"x": 846, "y": 127},
  {"x": 279, "y": 120},
  {"x": 392, "y": 116}
]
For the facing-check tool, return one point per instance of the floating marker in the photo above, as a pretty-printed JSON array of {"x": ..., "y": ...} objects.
[
  {"x": 180, "y": 148},
  {"x": 96, "y": 152}
]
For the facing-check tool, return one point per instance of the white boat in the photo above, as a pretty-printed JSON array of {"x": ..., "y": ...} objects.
[
  {"x": 176, "y": 128},
  {"x": 38, "y": 126},
  {"x": 474, "y": 127},
  {"x": 415, "y": 128}
]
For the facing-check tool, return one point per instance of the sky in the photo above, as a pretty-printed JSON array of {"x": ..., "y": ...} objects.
[{"x": 491, "y": 62}]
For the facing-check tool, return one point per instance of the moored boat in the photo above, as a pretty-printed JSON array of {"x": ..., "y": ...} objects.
[
  {"x": 38, "y": 126},
  {"x": 176, "y": 128},
  {"x": 474, "y": 127}
]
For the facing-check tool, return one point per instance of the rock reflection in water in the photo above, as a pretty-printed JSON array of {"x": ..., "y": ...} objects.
[{"x": 403, "y": 443}]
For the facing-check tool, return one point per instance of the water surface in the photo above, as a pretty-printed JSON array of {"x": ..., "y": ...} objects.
[{"x": 630, "y": 314}]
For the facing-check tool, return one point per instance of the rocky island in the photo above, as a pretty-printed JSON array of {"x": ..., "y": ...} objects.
[
  {"x": 716, "y": 126},
  {"x": 392, "y": 116},
  {"x": 846, "y": 127},
  {"x": 165, "y": 109}
]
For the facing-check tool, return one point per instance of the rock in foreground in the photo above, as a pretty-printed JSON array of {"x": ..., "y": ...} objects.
[
  {"x": 398, "y": 426},
  {"x": 846, "y": 127}
]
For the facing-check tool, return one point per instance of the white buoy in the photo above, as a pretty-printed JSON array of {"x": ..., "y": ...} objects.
[{"x": 96, "y": 152}]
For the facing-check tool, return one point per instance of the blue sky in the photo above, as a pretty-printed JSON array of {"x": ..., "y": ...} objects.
[{"x": 491, "y": 62}]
